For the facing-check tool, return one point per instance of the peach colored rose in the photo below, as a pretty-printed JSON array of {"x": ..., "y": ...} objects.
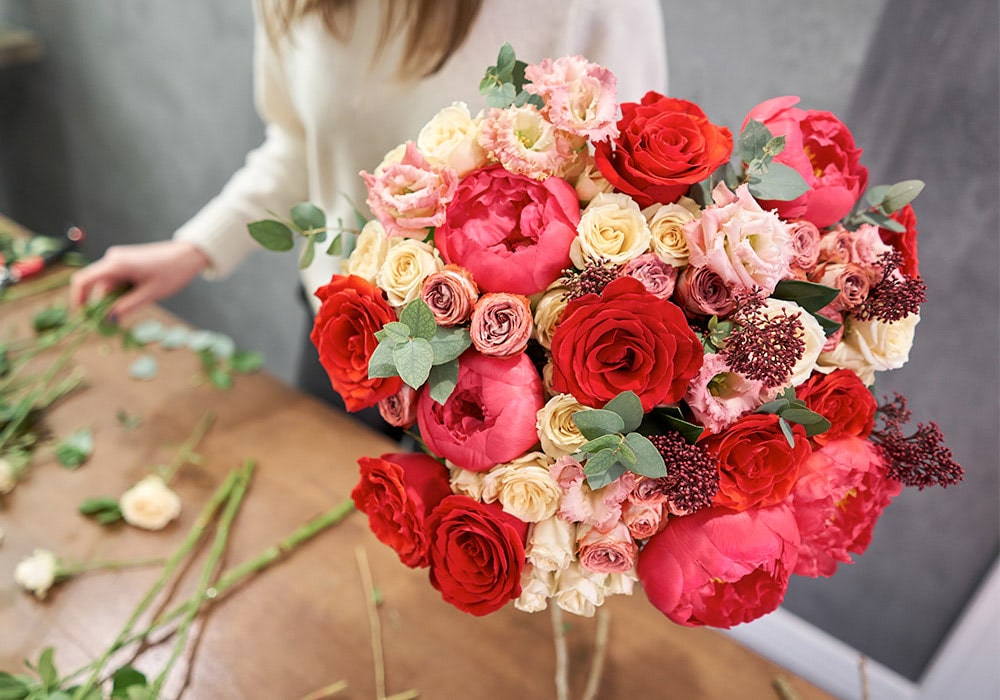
[
  {"x": 400, "y": 409},
  {"x": 643, "y": 520},
  {"x": 804, "y": 241},
  {"x": 548, "y": 313},
  {"x": 701, "y": 292},
  {"x": 851, "y": 279},
  {"x": 450, "y": 294},
  {"x": 501, "y": 324},
  {"x": 606, "y": 552},
  {"x": 656, "y": 276}
]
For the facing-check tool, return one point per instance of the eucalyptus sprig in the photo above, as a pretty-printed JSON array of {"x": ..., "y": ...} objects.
[
  {"x": 307, "y": 221},
  {"x": 503, "y": 84},
  {"x": 884, "y": 201},
  {"x": 792, "y": 410}
]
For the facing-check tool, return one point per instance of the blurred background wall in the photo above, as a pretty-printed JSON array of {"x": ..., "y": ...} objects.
[{"x": 141, "y": 109}]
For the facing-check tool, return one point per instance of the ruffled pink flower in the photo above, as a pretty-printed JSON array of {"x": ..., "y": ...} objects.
[
  {"x": 718, "y": 396},
  {"x": 748, "y": 247},
  {"x": 804, "y": 242},
  {"x": 450, "y": 294},
  {"x": 524, "y": 142},
  {"x": 853, "y": 281},
  {"x": 501, "y": 324},
  {"x": 400, "y": 409},
  {"x": 410, "y": 196},
  {"x": 581, "y": 504},
  {"x": 656, "y": 276},
  {"x": 841, "y": 492},
  {"x": 701, "y": 292},
  {"x": 606, "y": 552},
  {"x": 643, "y": 519},
  {"x": 580, "y": 96}
]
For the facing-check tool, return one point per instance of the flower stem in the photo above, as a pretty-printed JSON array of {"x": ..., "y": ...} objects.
[
  {"x": 67, "y": 570},
  {"x": 373, "y": 621},
  {"x": 562, "y": 655},
  {"x": 326, "y": 692},
  {"x": 23, "y": 290},
  {"x": 186, "y": 452},
  {"x": 600, "y": 652}
]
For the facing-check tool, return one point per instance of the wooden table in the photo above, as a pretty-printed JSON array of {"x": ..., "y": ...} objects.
[{"x": 302, "y": 624}]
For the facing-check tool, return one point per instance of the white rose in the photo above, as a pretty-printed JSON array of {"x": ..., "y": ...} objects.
[
  {"x": 150, "y": 504},
  {"x": 847, "y": 356},
  {"x": 524, "y": 487},
  {"x": 557, "y": 432},
  {"x": 369, "y": 251},
  {"x": 8, "y": 476},
  {"x": 451, "y": 138},
  {"x": 38, "y": 572},
  {"x": 812, "y": 333},
  {"x": 579, "y": 591},
  {"x": 548, "y": 313},
  {"x": 466, "y": 483},
  {"x": 551, "y": 544},
  {"x": 404, "y": 270},
  {"x": 547, "y": 371},
  {"x": 611, "y": 228},
  {"x": 620, "y": 583},
  {"x": 590, "y": 182},
  {"x": 536, "y": 588},
  {"x": 666, "y": 228},
  {"x": 884, "y": 345}
]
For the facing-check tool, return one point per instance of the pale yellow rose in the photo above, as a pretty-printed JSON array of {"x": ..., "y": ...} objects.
[
  {"x": 551, "y": 544},
  {"x": 846, "y": 356},
  {"x": 873, "y": 346},
  {"x": 620, "y": 583},
  {"x": 465, "y": 482},
  {"x": 548, "y": 312},
  {"x": 666, "y": 228},
  {"x": 590, "y": 182},
  {"x": 536, "y": 588},
  {"x": 812, "y": 333},
  {"x": 579, "y": 591},
  {"x": 547, "y": 371},
  {"x": 404, "y": 270},
  {"x": 150, "y": 504},
  {"x": 611, "y": 228},
  {"x": 557, "y": 432},
  {"x": 369, "y": 251},
  {"x": 524, "y": 487},
  {"x": 450, "y": 139},
  {"x": 37, "y": 573}
]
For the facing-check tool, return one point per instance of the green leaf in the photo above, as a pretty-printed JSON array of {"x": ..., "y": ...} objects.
[
  {"x": 604, "y": 442},
  {"x": 46, "y": 668},
  {"x": 689, "y": 431},
  {"x": 629, "y": 407},
  {"x": 876, "y": 195},
  {"x": 775, "y": 146},
  {"x": 449, "y": 343},
  {"x": 109, "y": 517},
  {"x": 149, "y": 331},
  {"x": 505, "y": 62},
  {"x": 92, "y": 694},
  {"x": 901, "y": 194},
  {"x": 775, "y": 406},
  {"x": 442, "y": 380},
  {"x": 602, "y": 469},
  {"x": 813, "y": 422},
  {"x": 778, "y": 182},
  {"x": 308, "y": 253},
  {"x": 145, "y": 368},
  {"x": 50, "y": 319},
  {"x": 787, "y": 431},
  {"x": 12, "y": 687},
  {"x": 335, "y": 246},
  {"x": 753, "y": 139},
  {"x": 221, "y": 378},
  {"x": 92, "y": 506},
  {"x": 596, "y": 422},
  {"x": 395, "y": 332},
  {"x": 828, "y": 325},
  {"x": 414, "y": 360},
  {"x": 175, "y": 337},
  {"x": 307, "y": 215},
  {"x": 246, "y": 361},
  {"x": 810, "y": 296},
  {"x": 125, "y": 678},
  {"x": 273, "y": 235},
  {"x": 73, "y": 450},
  {"x": 381, "y": 363},
  {"x": 417, "y": 316},
  {"x": 649, "y": 461},
  {"x": 626, "y": 456}
]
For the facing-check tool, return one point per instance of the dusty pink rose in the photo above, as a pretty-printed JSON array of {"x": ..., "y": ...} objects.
[
  {"x": 656, "y": 276},
  {"x": 643, "y": 519},
  {"x": 501, "y": 324},
  {"x": 606, "y": 552},
  {"x": 862, "y": 247},
  {"x": 489, "y": 417},
  {"x": 400, "y": 409},
  {"x": 747, "y": 246},
  {"x": 581, "y": 504},
  {"x": 718, "y": 396},
  {"x": 580, "y": 96},
  {"x": 450, "y": 294},
  {"x": 523, "y": 141},
  {"x": 853, "y": 281},
  {"x": 701, "y": 292},
  {"x": 649, "y": 491},
  {"x": 720, "y": 568},
  {"x": 841, "y": 492},
  {"x": 821, "y": 148},
  {"x": 804, "y": 242},
  {"x": 836, "y": 316},
  {"x": 512, "y": 233},
  {"x": 410, "y": 196}
]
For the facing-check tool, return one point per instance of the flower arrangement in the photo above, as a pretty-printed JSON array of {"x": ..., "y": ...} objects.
[{"x": 635, "y": 348}]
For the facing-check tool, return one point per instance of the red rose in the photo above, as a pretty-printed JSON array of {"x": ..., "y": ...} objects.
[
  {"x": 626, "y": 339},
  {"x": 757, "y": 466},
  {"x": 904, "y": 243},
  {"x": 665, "y": 145},
  {"x": 842, "y": 399},
  {"x": 489, "y": 417},
  {"x": 720, "y": 568},
  {"x": 821, "y": 148},
  {"x": 476, "y": 554},
  {"x": 351, "y": 311},
  {"x": 841, "y": 492},
  {"x": 397, "y": 492},
  {"x": 511, "y": 232}
]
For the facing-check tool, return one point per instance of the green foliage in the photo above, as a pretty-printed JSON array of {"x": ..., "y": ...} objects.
[
  {"x": 766, "y": 179},
  {"x": 272, "y": 235},
  {"x": 308, "y": 217},
  {"x": 75, "y": 449},
  {"x": 50, "y": 319},
  {"x": 503, "y": 84},
  {"x": 810, "y": 296},
  {"x": 885, "y": 200},
  {"x": 145, "y": 367},
  {"x": 613, "y": 446},
  {"x": 671, "y": 418},
  {"x": 713, "y": 340},
  {"x": 104, "y": 509},
  {"x": 792, "y": 410}
]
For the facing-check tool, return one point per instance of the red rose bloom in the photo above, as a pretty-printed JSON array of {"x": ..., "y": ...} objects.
[
  {"x": 720, "y": 568},
  {"x": 757, "y": 466},
  {"x": 397, "y": 492},
  {"x": 626, "y": 339},
  {"x": 664, "y": 146},
  {"x": 511, "y": 232},
  {"x": 476, "y": 554},
  {"x": 351, "y": 312},
  {"x": 904, "y": 243},
  {"x": 842, "y": 399},
  {"x": 842, "y": 490}
]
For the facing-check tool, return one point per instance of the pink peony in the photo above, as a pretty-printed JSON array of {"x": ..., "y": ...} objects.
[
  {"x": 718, "y": 396},
  {"x": 450, "y": 294},
  {"x": 580, "y": 96},
  {"x": 606, "y": 552},
  {"x": 512, "y": 233},
  {"x": 656, "y": 276},
  {"x": 720, "y": 568},
  {"x": 581, "y": 504},
  {"x": 410, "y": 196},
  {"x": 501, "y": 324}
]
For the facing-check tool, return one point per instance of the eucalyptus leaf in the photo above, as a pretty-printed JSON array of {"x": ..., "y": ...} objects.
[
  {"x": 413, "y": 360},
  {"x": 145, "y": 368},
  {"x": 505, "y": 62},
  {"x": 336, "y": 245},
  {"x": 381, "y": 363},
  {"x": 786, "y": 430},
  {"x": 753, "y": 139},
  {"x": 449, "y": 343},
  {"x": 272, "y": 235},
  {"x": 810, "y": 296},
  {"x": 876, "y": 195},
  {"x": 629, "y": 407},
  {"x": 418, "y": 317},
  {"x": 626, "y": 456},
  {"x": 442, "y": 380},
  {"x": 307, "y": 216},
  {"x": 149, "y": 331},
  {"x": 596, "y": 422},
  {"x": 599, "y": 478},
  {"x": 395, "y": 332},
  {"x": 604, "y": 442},
  {"x": 76, "y": 448},
  {"x": 46, "y": 668},
  {"x": 779, "y": 182},
  {"x": 649, "y": 461},
  {"x": 308, "y": 253},
  {"x": 802, "y": 416},
  {"x": 92, "y": 506},
  {"x": 775, "y": 406},
  {"x": 775, "y": 146},
  {"x": 901, "y": 194}
]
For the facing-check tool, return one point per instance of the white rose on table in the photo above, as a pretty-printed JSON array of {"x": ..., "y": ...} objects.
[
  {"x": 37, "y": 573},
  {"x": 524, "y": 487},
  {"x": 369, "y": 251},
  {"x": 557, "y": 432},
  {"x": 405, "y": 268},
  {"x": 150, "y": 504},
  {"x": 611, "y": 228},
  {"x": 537, "y": 587},
  {"x": 551, "y": 544},
  {"x": 451, "y": 138}
]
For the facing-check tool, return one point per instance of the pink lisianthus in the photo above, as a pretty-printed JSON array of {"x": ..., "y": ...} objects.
[
  {"x": 643, "y": 519},
  {"x": 580, "y": 96},
  {"x": 410, "y": 196},
  {"x": 701, "y": 292},
  {"x": 400, "y": 409},
  {"x": 489, "y": 418},
  {"x": 450, "y": 294},
  {"x": 581, "y": 504},
  {"x": 718, "y": 396},
  {"x": 656, "y": 276},
  {"x": 523, "y": 141},
  {"x": 841, "y": 492},
  {"x": 606, "y": 551},
  {"x": 821, "y": 148},
  {"x": 720, "y": 568},
  {"x": 745, "y": 245},
  {"x": 804, "y": 241},
  {"x": 511, "y": 232},
  {"x": 501, "y": 324}
]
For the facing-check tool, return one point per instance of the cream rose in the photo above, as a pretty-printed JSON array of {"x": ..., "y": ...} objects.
[
  {"x": 557, "y": 432},
  {"x": 369, "y": 251},
  {"x": 8, "y": 476},
  {"x": 548, "y": 312},
  {"x": 524, "y": 487},
  {"x": 150, "y": 504},
  {"x": 883, "y": 346},
  {"x": 590, "y": 182},
  {"x": 611, "y": 228},
  {"x": 666, "y": 229},
  {"x": 620, "y": 584},
  {"x": 465, "y": 482},
  {"x": 846, "y": 356},
  {"x": 536, "y": 588},
  {"x": 37, "y": 573},
  {"x": 812, "y": 333},
  {"x": 407, "y": 264},
  {"x": 451, "y": 138},
  {"x": 579, "y": 591},
  {"x": 551, "y": 544}
]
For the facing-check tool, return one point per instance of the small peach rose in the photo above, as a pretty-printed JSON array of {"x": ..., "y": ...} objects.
[{"x": 501, "y": 324}]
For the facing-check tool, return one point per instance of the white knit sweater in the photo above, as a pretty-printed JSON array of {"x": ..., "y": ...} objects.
[{"x": 330, "y": 112}]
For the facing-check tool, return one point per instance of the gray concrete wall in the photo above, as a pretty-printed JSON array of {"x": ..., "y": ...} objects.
[{"x": 142, "y": 109}]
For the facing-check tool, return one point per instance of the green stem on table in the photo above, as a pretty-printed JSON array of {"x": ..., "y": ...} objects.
[
  {"x": 373, "y": 622},
  {"x": 194, "y": 534},
  {"x": 186, "y": 452},
  {"x": 66, "y": 570},
  {"x": 562, "y": 653},
  {"x": 215, "y": 554},
  {"x": 326, "y": 691},
  {"x": 23, "y": 290}
]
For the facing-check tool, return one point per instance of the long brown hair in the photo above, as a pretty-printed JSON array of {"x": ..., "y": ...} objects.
[{"x": 434, "y": 28}]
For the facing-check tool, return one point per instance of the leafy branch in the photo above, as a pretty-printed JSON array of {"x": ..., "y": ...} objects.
[{"x": 613, "y": 445}]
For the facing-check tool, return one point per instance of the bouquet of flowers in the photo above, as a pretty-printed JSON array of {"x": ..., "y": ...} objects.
[{"x": 635, "y": 348}]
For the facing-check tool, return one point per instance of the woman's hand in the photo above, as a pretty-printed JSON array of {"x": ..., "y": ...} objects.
[{"x": 154, "y": 271}]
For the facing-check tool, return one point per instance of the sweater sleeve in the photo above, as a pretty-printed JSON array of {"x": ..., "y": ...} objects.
[{"x": 273, "y": 176}]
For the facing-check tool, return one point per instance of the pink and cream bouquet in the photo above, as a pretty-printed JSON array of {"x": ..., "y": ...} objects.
[{"x": 634, "y": 348}]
